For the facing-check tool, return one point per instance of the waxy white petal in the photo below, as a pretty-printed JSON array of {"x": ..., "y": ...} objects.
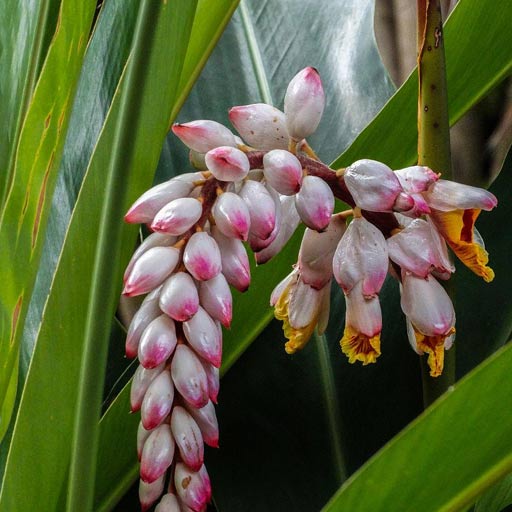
[
  {"x": 447, "y": 195},
  {"x": 304, "y": 305},
  {"x": 363, "y": 314}
]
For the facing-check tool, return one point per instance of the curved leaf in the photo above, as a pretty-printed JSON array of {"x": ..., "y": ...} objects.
[{"x": 458, "y": 451}]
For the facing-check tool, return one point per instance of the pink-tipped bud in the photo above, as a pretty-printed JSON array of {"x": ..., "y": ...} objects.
[
  {"x": 213, "y": 377},
  {"x": 149, "y": 203},
  {"x": 178, "y": 216},
  {"x": 168, "y": 503},
  {"x": 416, "y": 179},
  {"x": 202, "y": 256},
  {"x": 373, "y": 185},
  {"x": 157, "y": 454},
  {"x": 157, "y": 401},
  {"x": 140, "y": 384},
  {"x": 147, "y": 312},
  {"x": 258, "y": 244},
  {"x": 142, "y": 435},
  {"x": 447, "y": 195},
  {"x": 193, "y": 487},
  {"x": 262, "y": 126},
  {"x": 188, "y": 438},
  {"x": 316, "y": 253},
  {"x": 361, "y": 255},
  {"x": 418, "y": 250},
  {"x": 283, "y": 171},
  {"x": 235, "y": 263},
  {"x": 262, "y": 208},
  {"x": 202, "y": 334},
  {"x": 179, "y": 298},
  {"x": 289, "y": 221},
  {"x": 204, "y": 135},
  {"x": 157, "y": 342},
  {"x": 189, "y": 376},
  {"x": 315, "y": 203},
  {"x": 227, "y": 163},
  {"x": 150, "y": 270},
  {"x": 206, "y": 420},
  {"x": 232, "y": 215},
  {"x": 427, "y": 305},
  {"x": 149, "y": 493},
  {"x": 153, "y": 240},
  {"x": 304, "y": 103},
  {"x": 216, "y": 299}
]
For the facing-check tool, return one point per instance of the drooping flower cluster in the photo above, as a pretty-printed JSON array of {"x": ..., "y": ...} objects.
[{"x": 257, "y": 189}]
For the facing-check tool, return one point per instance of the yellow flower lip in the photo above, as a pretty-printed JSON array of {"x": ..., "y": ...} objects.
[
  {"x": 434, "y": 347},
  {"x": 360, "y": 347}
]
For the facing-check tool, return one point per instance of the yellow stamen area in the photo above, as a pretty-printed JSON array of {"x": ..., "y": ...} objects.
[
  {"x": 297, "y": 338},
  {"x": 434, "y": 347},
  {"x": 359, "y": 347},
  {"x": 457, "y": 229}
]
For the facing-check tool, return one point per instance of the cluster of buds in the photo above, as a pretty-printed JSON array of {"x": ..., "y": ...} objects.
[{"x": 256, "y": 188}]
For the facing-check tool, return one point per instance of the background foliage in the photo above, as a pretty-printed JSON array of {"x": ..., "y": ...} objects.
[{"x": 292, "y": 428}]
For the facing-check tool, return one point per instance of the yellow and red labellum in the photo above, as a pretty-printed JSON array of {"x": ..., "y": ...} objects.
[
  {"x": 434, "y": 347},
  {"x": 360, "y": 347},
  {"x": 457, "y": 228}
]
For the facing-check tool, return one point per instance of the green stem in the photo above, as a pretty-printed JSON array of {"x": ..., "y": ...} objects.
[
  {"x": 103, "y": 297},
  {"x": 433, "y": 142}
]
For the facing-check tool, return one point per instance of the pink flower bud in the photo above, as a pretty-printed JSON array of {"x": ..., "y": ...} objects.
[
  {"x": 447, "y": 195},
  {"x": 427, "y": 305},
  {"x": 202, "y": 256},
  {"x": 261, "y": 206},
  {"x": 188, "y": 438},
  {"x": 157, "y": 342},
  {"x": 158, "y": 400},
  {"x": 416, "y": 179},
  {"x": 213, "y": 377},
  {"x": 304, "y": 103},
  {"x": 315, "y": 203},
  {"x": 142, "y": 378},
  {"x": 179, "y": 298},
  {"x": 142, "y": 435},
  {"x": 150, "y": 270},
  {"x": 216, "y": 299},
  {"x": 361, "y": 255},
  {"x": 317, "y": 251},
  {"x": 206, "y": 420},
  {"x": 178, "y": 216},
  {"x": 289, "y": 221},
  {"x": 149, "y": 203},
  {"x": 227, "y": 163},
  {"x": 189, "y": 376},
  {"x": 149, "y": 493},
  {"x": 373, "y": 185},
  {"x": 257, "y": 244},
  {"x": 417, "y": 250},
  {"x": 193, "y": 488},
  {"x": 203, "y": 135},
  {"x": 283, "y": 171},
  {"x": 147, "y": 312},
  {"x": 232, "y": 215},
  {"x": 262, "y": 126},
  {"x": 168, "y": 503},
  {"x": 153, "y": 240},
  {"x": 235, "y": 263},
  {"x": 202, "y": 334},
  {"x": 157, "y": 454}
]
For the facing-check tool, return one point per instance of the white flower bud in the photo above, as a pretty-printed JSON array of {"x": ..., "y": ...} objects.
[
  {"x": 283, "y": 171},
  {"x": 179, "y": 298},
  {"x": 202, "y": 256},
  {"x": 157, "y": 454},
  {"x": 157, "y": 402},
  {"x": 261, "y": 206},
  {"x": 204, "y": 135},
  {"x": 232, "y": 215},
  {"x": 188, "y": 438},
  {"x": 178, "y": 216},
  {"x": 315, "y": 203},
  {"x": 216, "y": 299},
  {"x": 157, "y": 342},
  {"x": 193, "y": 488},
  {"x": 227, "y": 163}
]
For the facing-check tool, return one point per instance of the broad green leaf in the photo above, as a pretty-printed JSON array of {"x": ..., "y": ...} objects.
[
  {"x": 54, "y": 370},
  {"x": 477, "y": 45},
  {"x": 497, "y": 497},
  {"x": 38, "y": 153},
  {"x": 26, "y": 29},
  {"x": 446, "y": 457}
]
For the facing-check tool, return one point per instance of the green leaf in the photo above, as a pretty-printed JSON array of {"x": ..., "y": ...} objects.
[
  {"x": 26, "y": 29},
  {"x": 24, "y": 215},
  {"x": 477, "y": 43},
  {"x": 445, "y": 458},
  {"x": 497, "y": 497}
]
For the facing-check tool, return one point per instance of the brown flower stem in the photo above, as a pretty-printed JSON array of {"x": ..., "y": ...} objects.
[{"x": 433, "y": 144}]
